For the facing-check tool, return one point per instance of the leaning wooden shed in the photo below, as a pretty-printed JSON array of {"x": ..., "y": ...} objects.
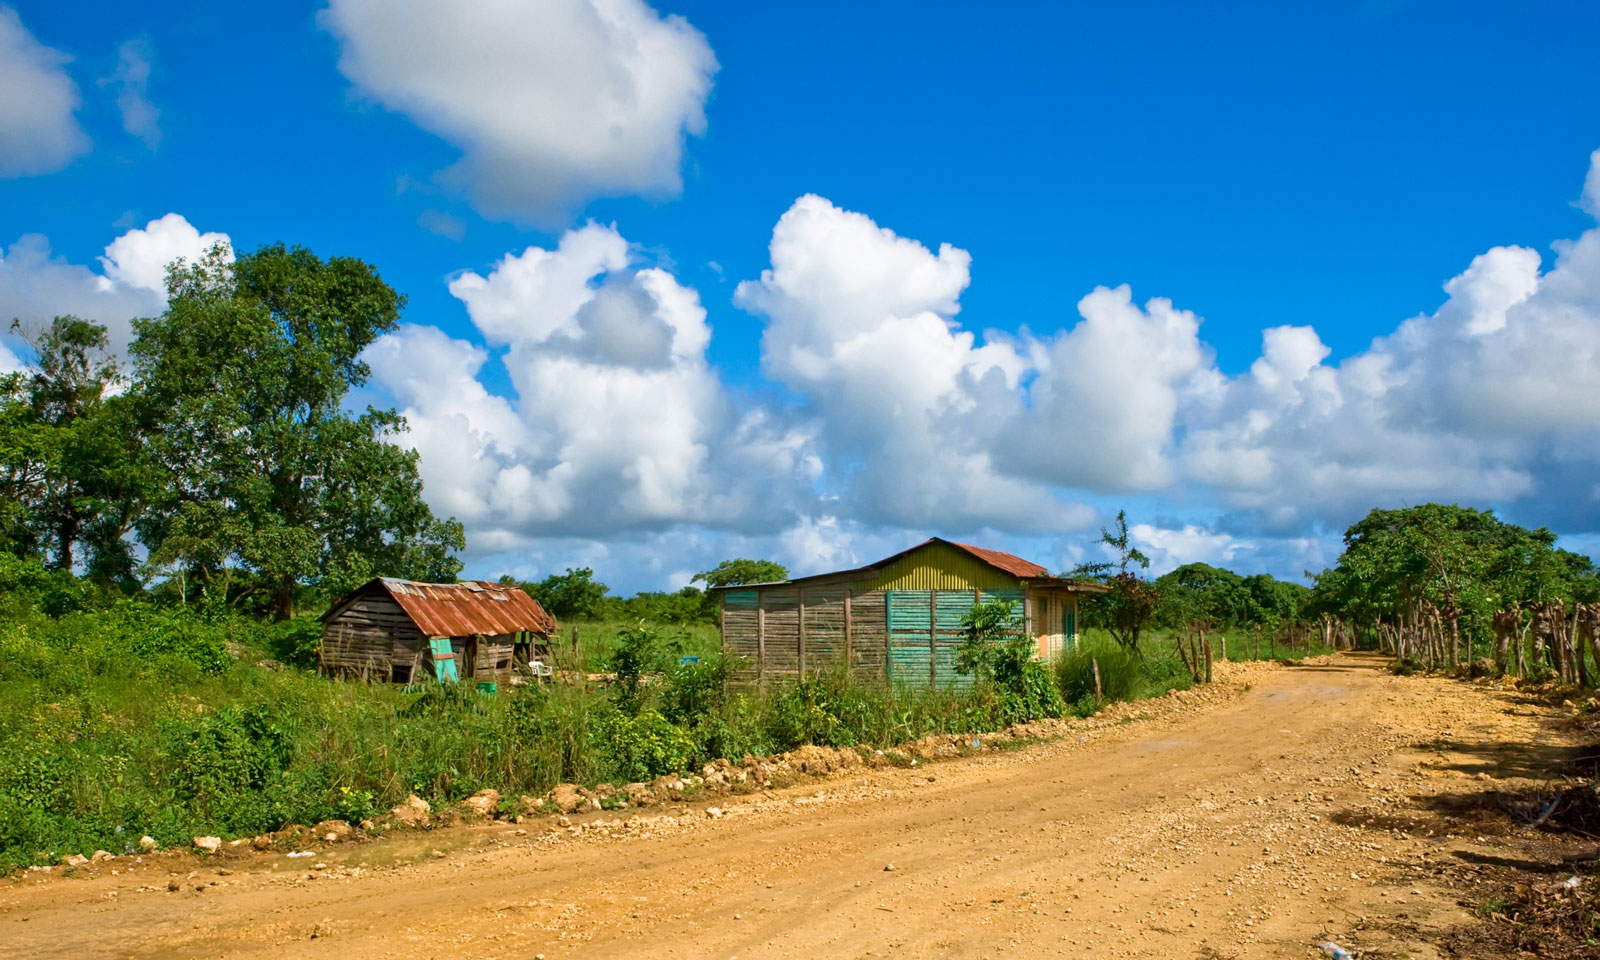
[
  {"x": 388, "y": 629},
  {"x": 898, "y": 620}
]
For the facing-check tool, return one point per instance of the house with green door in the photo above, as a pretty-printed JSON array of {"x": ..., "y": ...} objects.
[{"x": 898, "y": 620}]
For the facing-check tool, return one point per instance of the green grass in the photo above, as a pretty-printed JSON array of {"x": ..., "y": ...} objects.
[
  {"x": 597, "y": 638},
  {"x": 133, "y": 719}
]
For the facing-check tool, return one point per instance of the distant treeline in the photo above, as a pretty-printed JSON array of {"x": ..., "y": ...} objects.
[{"x": 577, "y": 595}]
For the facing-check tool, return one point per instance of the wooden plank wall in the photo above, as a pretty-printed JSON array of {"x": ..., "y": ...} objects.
[
  {"x": 740, "y": 641},
  {"x": 369, "y": 636},
  {"x": 784, "y": 632},
  {"x": 780, "y": 633},
  {"x": 869, "y": 634}
]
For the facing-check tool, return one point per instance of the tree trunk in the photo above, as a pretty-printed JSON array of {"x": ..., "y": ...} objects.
[
  {"x": 66, "y": 536},
  {"x": 283, "y": 600}
]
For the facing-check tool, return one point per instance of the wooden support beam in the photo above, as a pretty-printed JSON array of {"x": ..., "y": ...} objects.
[
  {"x": 800, "y": 621},
  {"x": 761, "y": 640},
  {"x": 849, "y": 651}
]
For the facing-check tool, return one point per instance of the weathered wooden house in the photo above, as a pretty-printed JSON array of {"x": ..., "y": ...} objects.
[
  {"x": 401, "y": 630},
  {"x": 899, "y": 619}
]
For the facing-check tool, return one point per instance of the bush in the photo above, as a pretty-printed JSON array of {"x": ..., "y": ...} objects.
[
  {"x": 643, "y": 746},
  {"x": 1119, "y": 672}
]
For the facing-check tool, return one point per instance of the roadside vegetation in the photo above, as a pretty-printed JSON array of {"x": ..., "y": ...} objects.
[{"x": 126, "y": 716}]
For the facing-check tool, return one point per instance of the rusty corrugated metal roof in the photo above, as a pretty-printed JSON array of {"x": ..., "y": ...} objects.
[
  {"x": 468, "y": 608},
  {"x": 1009, "y": 562}
]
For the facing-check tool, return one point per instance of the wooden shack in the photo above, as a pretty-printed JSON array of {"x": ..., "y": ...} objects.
[
  {"x": 389, "y": 629},
  {"x": 899, "y": 620}
]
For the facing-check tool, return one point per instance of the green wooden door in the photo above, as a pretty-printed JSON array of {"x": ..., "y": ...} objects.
[{"x": 444, "y": 659}]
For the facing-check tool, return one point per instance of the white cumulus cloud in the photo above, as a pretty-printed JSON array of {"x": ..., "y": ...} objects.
[
  {"x": 618, "y": 425},
  {"x": 551, "y": 103},
  {"x": 39, "y": 130},
  {"x": 1102, "y": 409},
  {"x": 861, "y": 323},
  {"x": 1489, "y": 399},
  {"x": 619, "y": 443},
  {"x": 36, "y": 286}
]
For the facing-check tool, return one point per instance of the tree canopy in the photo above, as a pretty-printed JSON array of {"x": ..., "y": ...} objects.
[
  {"x": 1463, "y": 562},
  {"x": 1199, "y": 592},
  {"x": 732, "y": 573},
  {"x": 228, "y": 450},
  {"x": 71, "y": 457}
]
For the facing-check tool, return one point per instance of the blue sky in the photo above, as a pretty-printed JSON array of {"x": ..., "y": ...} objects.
[{"x": 1327, "y": 166}]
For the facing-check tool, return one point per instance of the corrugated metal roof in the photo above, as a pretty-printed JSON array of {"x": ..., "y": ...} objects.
[
  {"x": 468, "y": 608},
  {"x": 1010, "y": 563}
]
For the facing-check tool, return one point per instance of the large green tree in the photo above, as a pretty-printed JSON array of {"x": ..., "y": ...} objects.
[
  {"x": 269, "y": 481},
  {"x": 71, "y": 459},
  {"x": 574, "y": 594},
  {"x": 1463, "y": 562}
]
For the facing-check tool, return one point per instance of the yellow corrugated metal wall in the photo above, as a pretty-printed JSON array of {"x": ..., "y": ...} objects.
[{"x": 938, "y": 566}]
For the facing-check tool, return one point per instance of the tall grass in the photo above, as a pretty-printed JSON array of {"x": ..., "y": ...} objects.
[
  {"x": 134, "y": 719},
  {"x": 596, "y": 639}
]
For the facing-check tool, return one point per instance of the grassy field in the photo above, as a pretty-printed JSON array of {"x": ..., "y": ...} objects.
[
  {"x": 596, "y": 639},
  {"x": 135, "y": 719}
]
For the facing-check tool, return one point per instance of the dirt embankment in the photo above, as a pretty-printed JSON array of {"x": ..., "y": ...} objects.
[{"x": 1284, "y": 807}]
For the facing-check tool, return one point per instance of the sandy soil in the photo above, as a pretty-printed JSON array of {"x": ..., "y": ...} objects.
[{"x": 1286, "y": 806}]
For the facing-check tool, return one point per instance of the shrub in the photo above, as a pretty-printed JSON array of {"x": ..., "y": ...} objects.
[
  {"x": 638, "y": 651},
  {"x": 1120, "y": 673},
  {"x": 643, "y": 746},
  {"x": 803, "y": 712}
]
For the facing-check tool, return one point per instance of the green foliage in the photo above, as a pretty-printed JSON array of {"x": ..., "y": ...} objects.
[
  {"x": 575, "y": 594},
  {"x": 688, "y": 605},
  {"x": 266, "y": 482},
  {"x": 644, "y": 745},
  {"x": 1130, "y": 605},
  {"x": 986, "y": 629},
  {"x": 808, "y": 711},
  {"x": 995, "y": 651},
  {"x": 731, "y": 573},
  {"x": 124, "y": 717},
  {"x": 1121, "y": 673},
  {"x": 72, "y": 470},
  {"x": 1467, "y": 563},
  {"x": 638, "y": 652},
  {"x": 1201, "y": 593}
]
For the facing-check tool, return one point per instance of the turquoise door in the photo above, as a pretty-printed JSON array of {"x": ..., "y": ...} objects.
[{"x": 444, "y": 660}]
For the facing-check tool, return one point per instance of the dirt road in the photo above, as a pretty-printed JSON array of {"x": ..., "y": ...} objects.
[{"x": 1309, "y": 804}]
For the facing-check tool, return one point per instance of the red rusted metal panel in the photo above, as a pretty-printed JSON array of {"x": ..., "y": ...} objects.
[
  {"x": 1009, "y": 562},
  {"x": 469, "y": 608}
]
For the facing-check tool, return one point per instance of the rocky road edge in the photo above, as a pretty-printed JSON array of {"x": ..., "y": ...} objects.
[{"x": 720, "y": 779}]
